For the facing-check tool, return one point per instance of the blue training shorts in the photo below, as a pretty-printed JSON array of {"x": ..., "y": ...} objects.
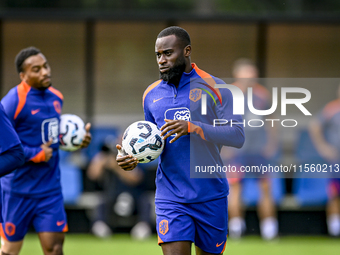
[
  {"x": 46, "y": 214},
  {"x": 205, "y": 224}
]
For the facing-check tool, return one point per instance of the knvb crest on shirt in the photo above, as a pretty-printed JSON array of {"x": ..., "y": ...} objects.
[
  {"x": 195, "y": 95},
  {"x": 57, "y": 106}
]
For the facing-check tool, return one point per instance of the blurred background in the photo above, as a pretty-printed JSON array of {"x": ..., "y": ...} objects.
[
  {"x": 102, "y": 58},
  {"x": 102, "y": 52}
]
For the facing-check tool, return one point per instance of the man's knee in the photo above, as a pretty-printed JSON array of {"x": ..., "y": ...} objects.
[
  {"x": 9, "y": 253},
  {"x": 10, "y": 248},
  {"x": 55, "y": 249},
  {"x": 4, "y": 253}
]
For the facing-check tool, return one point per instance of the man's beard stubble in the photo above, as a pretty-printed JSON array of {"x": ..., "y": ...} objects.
[
  {"x": 174, "y": 74},
  {"x": 42, "y": 88}
]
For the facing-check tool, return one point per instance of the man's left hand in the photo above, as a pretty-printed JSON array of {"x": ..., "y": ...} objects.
[
  {"x": 87, "y": 137},
  {"x": 178, "y": 127}
]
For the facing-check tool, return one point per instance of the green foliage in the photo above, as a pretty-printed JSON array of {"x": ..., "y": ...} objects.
[
  {"x": 102, "y": 4},
  {"x": 275, "y": 6},
  {"x": 167, "y": 4},
  {"x": 218, "y": 6},
  {"x": 262, "y": 6}
]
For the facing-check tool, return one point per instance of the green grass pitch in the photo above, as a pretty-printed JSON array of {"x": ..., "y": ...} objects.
[{"x": 87, "y": 244}]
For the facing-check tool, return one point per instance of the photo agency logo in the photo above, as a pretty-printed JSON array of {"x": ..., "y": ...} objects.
[{"x": 239, "y": 106}]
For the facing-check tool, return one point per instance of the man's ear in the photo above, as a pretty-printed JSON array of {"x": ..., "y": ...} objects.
[
  {"x": 22, "y": 75},
  {"x": 187, "y": 51}
]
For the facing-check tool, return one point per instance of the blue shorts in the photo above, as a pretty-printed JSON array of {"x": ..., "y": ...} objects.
[
  {"x": 205, "y": 224},
  {"x": 46, "y": 214}
]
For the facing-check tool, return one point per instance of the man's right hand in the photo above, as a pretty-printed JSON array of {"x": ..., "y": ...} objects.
[
  {"x": 126, "y": 162},
  {"x": 47, "y": 150}
]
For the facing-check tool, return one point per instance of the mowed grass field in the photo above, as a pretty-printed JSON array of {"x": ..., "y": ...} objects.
[{"x": 86, "y": 244}]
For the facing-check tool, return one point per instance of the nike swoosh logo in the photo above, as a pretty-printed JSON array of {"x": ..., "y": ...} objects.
[
  {"x": 59, "y": 223},
  {"x": 155, "y": 100},
  {"x": 218, "y": 245},
  {"x": 35, "y": 111}
]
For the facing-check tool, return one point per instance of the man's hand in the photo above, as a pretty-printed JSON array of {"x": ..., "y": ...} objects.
[
  {"x": 178, "y": 127},
  {"x": 47, "y": 150},
  {"x": 87, "y": 138},
  {"x": 125, "y": 161}
]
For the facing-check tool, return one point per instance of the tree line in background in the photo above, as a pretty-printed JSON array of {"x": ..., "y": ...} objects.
[{"x": 202, "y": 6}]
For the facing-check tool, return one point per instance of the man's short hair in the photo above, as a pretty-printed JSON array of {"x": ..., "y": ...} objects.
[
  {"x": 23, "y": 55},
  {"x": 179, "y": 32}
]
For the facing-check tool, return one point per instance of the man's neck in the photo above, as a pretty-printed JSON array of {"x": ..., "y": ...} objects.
[
  {"x": 188, "y": 67},
  {"x": 176, "y": 81}
]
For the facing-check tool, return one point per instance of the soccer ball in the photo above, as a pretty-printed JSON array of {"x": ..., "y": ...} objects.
[
  {"x": 142, "y": 139},
  {"x": 71, "y": 132}
]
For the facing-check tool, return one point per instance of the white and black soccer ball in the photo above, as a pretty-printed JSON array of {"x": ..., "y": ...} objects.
[
  {"x": 71, "y": 132},
  {"x": 142, "y": 139}
]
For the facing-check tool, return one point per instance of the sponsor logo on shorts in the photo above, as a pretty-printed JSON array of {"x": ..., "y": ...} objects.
[
  {"x": 10, "y": 228},
  {"x": 219, "y": 244},
  {"x": 59, "y": 223},
  {"x": 163, "y": 227}
]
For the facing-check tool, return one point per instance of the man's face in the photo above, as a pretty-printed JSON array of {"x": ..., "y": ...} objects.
[
  {"x": 36, "y": 72},
  {"x": 170, "y": 57}
]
